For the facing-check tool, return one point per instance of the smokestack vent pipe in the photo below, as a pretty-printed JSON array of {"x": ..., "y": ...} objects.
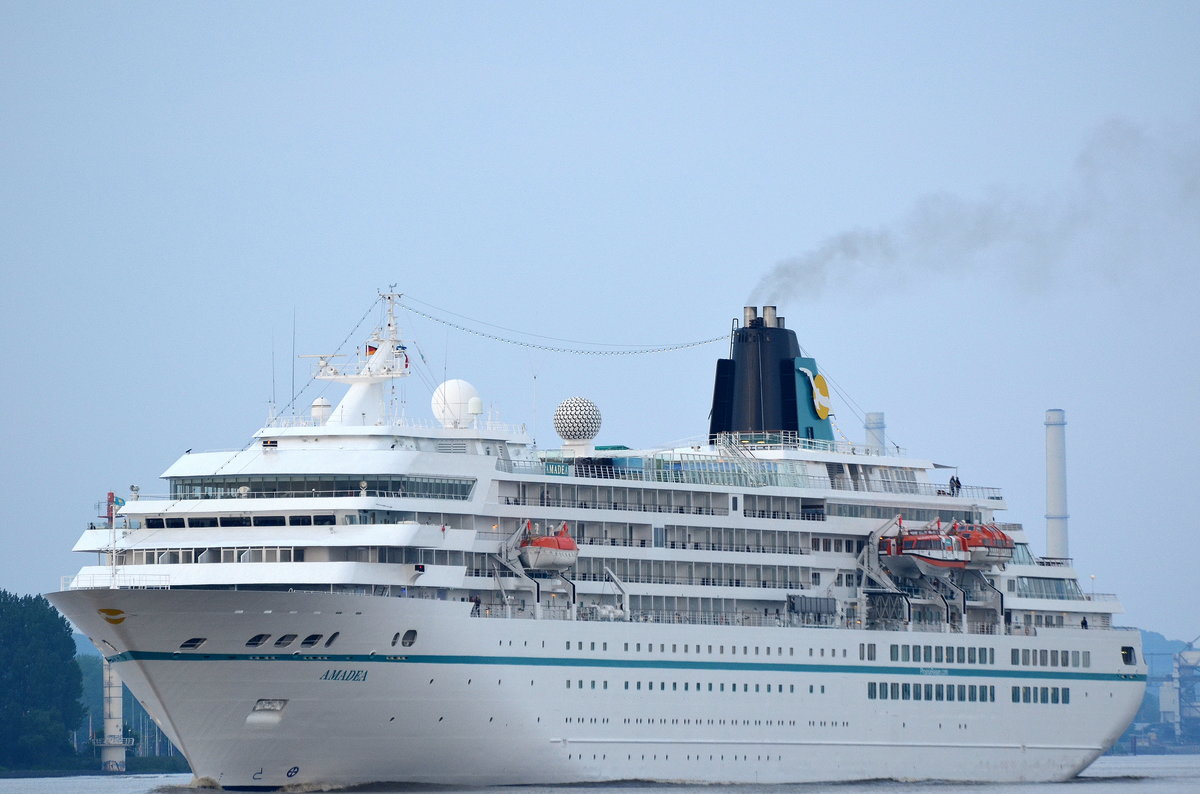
[
  {"x": 1056, "y": 484},
  {"x": 769, "y": 316},
  {"x": 749, "y": 315}
]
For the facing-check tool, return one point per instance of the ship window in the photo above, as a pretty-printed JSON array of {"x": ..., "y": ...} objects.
[
  {"x": 199, "y": 522},
  {"x": 883, "y": 691},
  {"x": 300, "y": 521},
  {"x": 331, "y": 639},
  {"x": 1087, "y": 658},
  {"x": 971, "y": 655},
  {"x": 1066, "y": 695},
  {"x": 896, "y": 691},
  {"x": 1042, "y": 658},
  {"x": 1016, "y": 656},
  {"x": 1128, "y": 654},
  {"x": 937, "y": 654},
  {"x": 1054, "y": 694},
  {"x": 1024, "y": 694},
  {"x": 192, "y": 644},
  {"x": 939, "y": 692},
  {"x": 962, "y": 655},
  {"x": 324, "y": 521},
  {"x": 174, "y": 523},
  {"x": 268, "y": 521},
  {"x": 409, "y": 638},
  {"x": 235, "y": 521},
  {"x": 285, "y": 640},
  {"x": 257, "y": 640},
  {"x": 154, "y": 523},
  {"x": 1074, "y": 658},
  {"x": 903, "y": 653},
  {"x": 313, "y": 639},
  {"x": 1045, "y": 694},
  {"x": 905, "y": 692},
  {"x": 896, "y": 653},
  {"x": 950, "y": 692},
  {"x": 1016, "y": 694},
  {"x": 916, "y": 691},
  {"x": 929, "y": 691},
  {"x": 929, "y": 653}
]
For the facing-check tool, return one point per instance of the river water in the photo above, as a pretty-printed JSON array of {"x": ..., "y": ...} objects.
[{"x": 1109, "y": 775}]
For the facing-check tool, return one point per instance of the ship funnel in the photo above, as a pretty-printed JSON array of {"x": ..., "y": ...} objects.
[
  {"x": 767, "y": 385},
  {"x": 1056, "y": 484}
]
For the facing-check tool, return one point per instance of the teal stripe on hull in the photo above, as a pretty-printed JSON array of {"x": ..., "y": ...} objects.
[{"x": 625, "y": 664}]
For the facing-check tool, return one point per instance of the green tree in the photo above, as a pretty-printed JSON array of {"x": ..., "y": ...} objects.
[{"x": 39, "y": 683}]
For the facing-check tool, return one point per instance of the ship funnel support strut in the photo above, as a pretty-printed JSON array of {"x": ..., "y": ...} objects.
[{"x": 1056, "y": 484}]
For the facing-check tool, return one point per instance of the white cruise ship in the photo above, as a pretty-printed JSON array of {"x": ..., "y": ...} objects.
[{"x": 359, "y": 597}]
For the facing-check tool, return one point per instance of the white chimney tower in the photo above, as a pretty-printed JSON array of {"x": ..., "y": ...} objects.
[{"x": 1056, "y": 484}]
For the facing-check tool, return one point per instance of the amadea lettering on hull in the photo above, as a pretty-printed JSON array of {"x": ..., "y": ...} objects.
[{"x": 344, "y": 675}]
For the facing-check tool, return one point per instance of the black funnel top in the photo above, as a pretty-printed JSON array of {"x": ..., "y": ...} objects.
[{"x": 755, "y": 388}]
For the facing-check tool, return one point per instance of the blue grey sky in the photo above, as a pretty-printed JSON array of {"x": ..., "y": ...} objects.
[{"x": 969, "y": 212}]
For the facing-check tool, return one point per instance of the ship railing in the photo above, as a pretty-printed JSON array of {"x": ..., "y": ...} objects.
[
  {"x": 719, "y": 471},
  {"x": 1100, "y": 597},
  {"x": 231, "y": 493},
  {"x": 120, "y": 581},
  {"x": 695, "y": 546},
  {"x": 629, "y": 506},
  {"x": 1054, "y": 562}
]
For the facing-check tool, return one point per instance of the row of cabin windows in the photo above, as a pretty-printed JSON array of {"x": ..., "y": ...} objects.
[
  {"x": 1041, "y": 657},
  {"x": 286, "y": 485},
  {"x": 188, "y": 556},
  {"x": 1041, "y": 694},
  {"x": 198, "y": 522},
  {"x": 966, "y": 693},
  {"x": 948, "y": 654},
  {"x": 258, "y": 640},
  {"x": 720, "y": 649},
  {"x": 688, "y": 686}
]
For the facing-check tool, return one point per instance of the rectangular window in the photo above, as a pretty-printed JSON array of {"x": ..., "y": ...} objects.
[
  {"x": 1074, "y": 658},
  {"x": 235, "y": 521},
  {"x": 1054, "y": 658},
  {"x": 939, "y": 692},
  {"x": 895, "y": 653},
  {"x": 1087, "y": 658},
  {"x": 937, "y": 654},
  {"x": 929, "y": 691},
  {"x": 904, "y": 653},
  {"x": 1054, "y": 694},
  {"x": 1016, "y": 656},
  {"x": 268, "y": 521},
  {"x": 883, "y": 691},
  {"x": 1066, "y": 695},
  {"x": 905, "y": 692},
  {"x": 1016, "y": 694},
  {"x": 1025, "y": 657},
  {"x": 971, "y": 693},
  {"x": 895, "y": 691},
  {"x": 1043, "y": 658},
  {"x": 1045, "y": 694},
  {"x": 300, "y": 521},
  {"x": 929, "y": 653},
  {"x": 916, "y": 691},
  {"x": 971, "y": 655},
  {"x": 950, "y": 692},
  {"x": 1024, "y": 694},
  {"x": 870, "y": 652},
  {"x": 871, "y": 690},
  {"x": 962, "y": 655},
  {"x": 324, "y": 521}
]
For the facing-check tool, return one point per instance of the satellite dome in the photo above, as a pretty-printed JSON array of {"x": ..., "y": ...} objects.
[
  {"x": 455, "y": 403},
  {"x": 576, "y": 419}
]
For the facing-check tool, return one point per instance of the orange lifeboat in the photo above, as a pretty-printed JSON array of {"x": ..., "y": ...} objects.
[
  {"x": 553, "y": 552},
  {"x": 988, "y": 544},
  {"x": 923, "y": 554}
]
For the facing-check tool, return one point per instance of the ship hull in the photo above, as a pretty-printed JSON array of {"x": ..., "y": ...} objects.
[{"x": 479, "y": 701}]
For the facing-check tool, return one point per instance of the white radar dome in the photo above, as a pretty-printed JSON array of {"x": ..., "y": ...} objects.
[
  {"x": 576, "y": 419},
  {"x": 452, "y": 403}
]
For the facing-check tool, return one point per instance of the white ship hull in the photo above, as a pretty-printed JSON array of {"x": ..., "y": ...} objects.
[{"x": 487, "y": 701}]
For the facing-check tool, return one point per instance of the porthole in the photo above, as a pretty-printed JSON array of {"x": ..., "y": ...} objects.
[
  {"x": 409, "y": 638},
  {"x": 395, "y": 639},
  {"x": 257, "y": 640},
  {"x": 285, "y": 640},
  {"x": 311, "y": 640},
  {"x": 192, "y": 644}
]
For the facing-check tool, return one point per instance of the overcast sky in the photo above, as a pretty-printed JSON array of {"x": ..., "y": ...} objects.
[{"x": 968, "y": 212}]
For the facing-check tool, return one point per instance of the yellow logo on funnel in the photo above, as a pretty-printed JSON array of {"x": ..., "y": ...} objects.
[{"x": 113, "y": 616}]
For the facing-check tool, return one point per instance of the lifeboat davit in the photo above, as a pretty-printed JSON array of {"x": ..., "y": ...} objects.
[
  {"x": 552, "y": 552},
  {"x": 924, "y": 554},
  {"x": 988, "y": 544}
]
